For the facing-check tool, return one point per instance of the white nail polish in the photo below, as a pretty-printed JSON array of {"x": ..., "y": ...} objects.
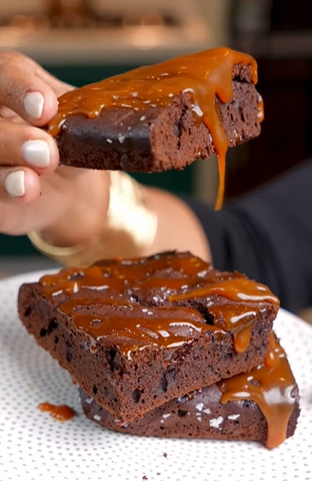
[
  {"x": 14, "y": 183},
  {"x": 36, "y": 153},
  {"x": 33, "y": 105}
]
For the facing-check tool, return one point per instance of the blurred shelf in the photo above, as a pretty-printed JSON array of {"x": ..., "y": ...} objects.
[{"x": 87, "y": 46}]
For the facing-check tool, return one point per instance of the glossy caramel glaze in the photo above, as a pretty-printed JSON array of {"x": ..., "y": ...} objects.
[
  {"x": 205, "y": 75},
  {"x": 238, "y": 320},
  {"x": 176, "y": 280},
  {"x": 61, "y": 413},
  {"x": 271, "y": 385}
]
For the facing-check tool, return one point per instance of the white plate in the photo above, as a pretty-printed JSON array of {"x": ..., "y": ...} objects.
[{"x": 35, "y": 447}]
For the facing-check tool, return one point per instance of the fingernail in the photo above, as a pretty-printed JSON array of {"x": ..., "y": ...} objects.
[
  {"x": 14, "y": 183},
  {"x": 36, "y": 153},
  {"x": 33, "y": 105}
]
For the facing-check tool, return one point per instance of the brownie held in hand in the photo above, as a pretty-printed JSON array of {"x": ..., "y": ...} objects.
[
  {"x": 163, "y": 116},
  {"x": 138, "y": 333}
]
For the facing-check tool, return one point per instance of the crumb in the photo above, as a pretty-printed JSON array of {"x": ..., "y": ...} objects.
[
  {"x": 145, "y": 478},
  {"x": 165, "y": 455}
]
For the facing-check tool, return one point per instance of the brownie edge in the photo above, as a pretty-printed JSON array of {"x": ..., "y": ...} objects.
[
  {"x": 156, "y": 139},
  {"x": 201, "y": 415},
  {"x": 260, "y": 405}
]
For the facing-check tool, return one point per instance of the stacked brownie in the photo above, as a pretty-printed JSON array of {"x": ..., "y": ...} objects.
[
  {"x": 161, "y": 346},
  {"x": 203, "y": 414}
]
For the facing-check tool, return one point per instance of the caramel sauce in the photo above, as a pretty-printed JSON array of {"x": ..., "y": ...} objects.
[
  {"x": 239, "y": 324},
  {"x": 61, "y": 413},
  {"x": 270, "y": 385},
  {"x": 116, "y": 284},
  {"x": 260, "y": 114},
  {"x": 239, "y": 321},
  {"x": 237, "y": 289},
  {"x": 205, "y": 75},
  {"x": 167, "y": 327}
]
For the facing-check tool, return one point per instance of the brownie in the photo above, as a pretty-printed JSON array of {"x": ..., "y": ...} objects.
[
  {"x": 202, "y": 414},
  {"x": 138, "y": 333},
  {"x": 159, "y": 136}
]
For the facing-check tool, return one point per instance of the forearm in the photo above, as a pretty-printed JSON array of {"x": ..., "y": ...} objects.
[
  {"x": 75, "y": 206},
  {"x": 128, "y": 220},
  {"x": 178, "y": 226}
]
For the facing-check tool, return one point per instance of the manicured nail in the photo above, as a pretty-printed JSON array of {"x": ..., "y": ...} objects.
[
  {"x": 36, "y": 153},
  {"x": 14, "y": 183},
  {"x": 33, "y": 105}
]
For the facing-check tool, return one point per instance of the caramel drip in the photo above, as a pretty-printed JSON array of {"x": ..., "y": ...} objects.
[
  {"x": 237, "y": 318},
  {"x": 260, "y": 109},
  {"x": 206, "y": 76},
  {"x": 240, "y": 324},
  {"x": 61, "y": 413},
  {"x": 116, "y": 285},
  {"x": 271, "y": 386},
  {"x": 221, "y": 186}
]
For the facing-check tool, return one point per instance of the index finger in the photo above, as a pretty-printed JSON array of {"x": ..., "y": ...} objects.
[{"x": 23, "y": 91}]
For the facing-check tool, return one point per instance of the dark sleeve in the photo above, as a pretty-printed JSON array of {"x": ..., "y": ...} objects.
[{"x": 267, "y": 234}]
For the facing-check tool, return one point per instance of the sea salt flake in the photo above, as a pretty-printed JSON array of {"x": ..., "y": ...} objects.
[
  {"x": 207, "y": 411},
  {"x": 215, "y": 422},
  {"x": 233, "y": 416}
]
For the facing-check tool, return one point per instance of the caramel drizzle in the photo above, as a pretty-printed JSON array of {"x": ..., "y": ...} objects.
[
  {"x": 239, "y": 321},
  {"x": 239, "y": 324},
  {"x": 60, "y": 413},
  {"x": 136, "y": 332},
  {"x": 271, "y": 386},
  {"x": 135, "y": 324},
  {"x": 242, "y": 289},
  {"x": 260, "y": 114},
  {"x": 206, "y": 76}
]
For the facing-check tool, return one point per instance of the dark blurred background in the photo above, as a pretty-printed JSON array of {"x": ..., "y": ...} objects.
[
  {"x": 278, "y": 33},
  {"x": 83, "y": 41}
]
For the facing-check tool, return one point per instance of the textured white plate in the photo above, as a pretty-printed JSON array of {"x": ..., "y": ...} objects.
[{"x": 34, "y": 447}]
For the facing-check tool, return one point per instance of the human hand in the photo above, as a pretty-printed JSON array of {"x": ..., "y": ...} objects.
[{"x": 34, "y": 192}]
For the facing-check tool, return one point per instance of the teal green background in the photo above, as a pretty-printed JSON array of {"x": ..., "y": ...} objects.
[{"x": 78, "y": 75}]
